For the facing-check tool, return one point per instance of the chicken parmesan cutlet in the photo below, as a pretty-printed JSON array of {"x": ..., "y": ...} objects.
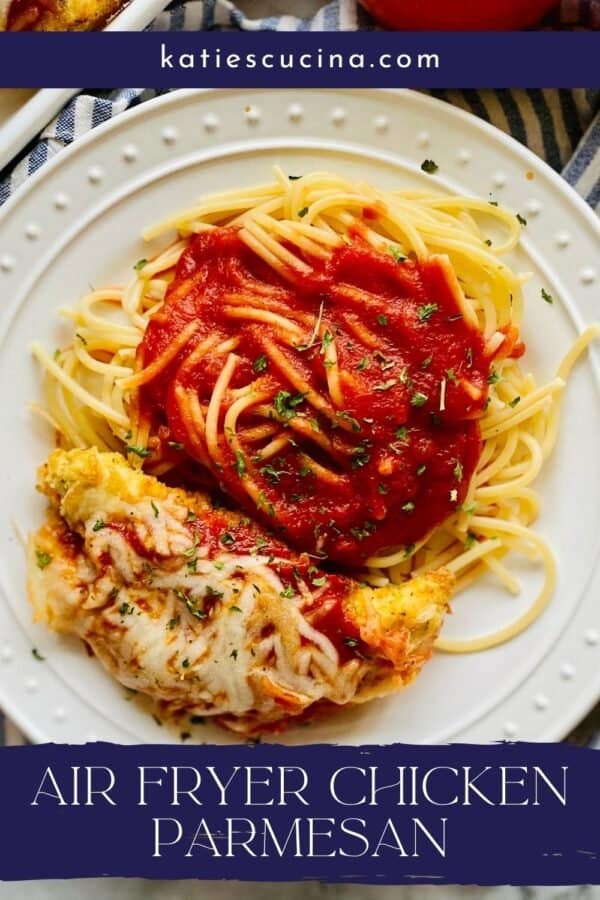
[{"x": 205, "y": 612}]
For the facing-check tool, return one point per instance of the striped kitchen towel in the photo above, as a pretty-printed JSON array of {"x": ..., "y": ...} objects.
[{"x": 561, "y": 126}]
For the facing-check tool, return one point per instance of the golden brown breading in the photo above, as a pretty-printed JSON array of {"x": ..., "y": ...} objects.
[{"x": 57, "y": 15}]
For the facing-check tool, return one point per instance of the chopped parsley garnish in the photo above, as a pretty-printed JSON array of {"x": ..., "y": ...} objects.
[
  {"x": 288, "y": 592},
  {"x": 354, "y": 423},
  {"x": 98, "y": 525},
  {"x": 142, "y": 452},
  {"x": 173, "y": 623},
  {"x": 302, "y": 212},
  {"x": 260, "y": 364},
  {"x": 191, "y": 516},
  {"x": 426, "y": 311},
  {"x": 186, "y": 663},
  {"x": 396, "y": 254},
  {"x": 175, "y": 445},
  {"x": 240, "y": 463},
  {"x": 361, "y": 533},
  {"x": 37, "y": 655},
  {"x": 429, "y": 166},
  {"x": 326, "y": 341},
  {"x": 470, "y": 540},
  {"x": 314, "y": 424},
  {"x": 458, "y": 470},
  {"x": 385, "y": 385},
  {"x": 409, "y": 550},
  {"x": 385, "y": 363},
  {"x": 227, "y": 539},
  {"x": 285, "y": 403},
  {"x": 234, "y": 654},
  {"x": 363, "y": 364},
  {"x": 190, "y": 604},
  {"x": 235, "y": 608},
  {"x": 42, "y": 559},
  {"x": 382, "y": 320},
  {"x": 191, "y": 551},
  {"x": 320, "y": 582},
  {"x": 418, "y": 399},
  {"x": 521, "y": 220},
  {"x": 422, "y": 469},
  {"x": 427, "y": 361},
  {"x": 382, "y": 488},
  {"x": 468, "y": 508},
  {"x": 262, "y": 501},
  {"x": 360, "y": 457},
  {"x": 304, "y": 471},
  {"x": 494, "y": 377},
  {"x": 155, "y": 509},
  {"x": 272, "y": 473},
  {"x": 546, "y": 296},
  {"x": 126, "y": 609},
  {"x": 408, "y": 506},
  {"x": 140, "y": 264},
  {"x": 514, "y": 402},
  {"x": 451, "y": 376},
  {"x": 402, "y": 433}
]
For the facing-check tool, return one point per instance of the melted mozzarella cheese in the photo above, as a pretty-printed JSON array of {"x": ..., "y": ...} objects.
[{"x": 193, "y": 623}]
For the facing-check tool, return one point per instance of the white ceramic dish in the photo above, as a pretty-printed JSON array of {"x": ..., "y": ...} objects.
[
  {"x": 77, "y": 222},
  {"x": 34, "y": 115}
]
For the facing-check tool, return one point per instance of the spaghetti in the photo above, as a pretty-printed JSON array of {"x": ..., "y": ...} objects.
[{"x": 343, "y": 362}]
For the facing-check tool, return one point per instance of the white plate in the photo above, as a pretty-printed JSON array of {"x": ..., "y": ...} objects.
[{"x": 77, "y": 222}]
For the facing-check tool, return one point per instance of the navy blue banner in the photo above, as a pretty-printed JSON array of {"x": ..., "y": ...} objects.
[
  {"x": 498, "y": 814},
  {"x": 325, "y": 59}
]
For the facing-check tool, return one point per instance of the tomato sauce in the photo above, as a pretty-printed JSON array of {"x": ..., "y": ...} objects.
[
  {"x": 413, "y": 375},
  {"x": 219, "y": 532}
]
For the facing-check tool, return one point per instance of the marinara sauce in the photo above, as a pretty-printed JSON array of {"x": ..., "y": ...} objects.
[{"x": 395, "y": 458}]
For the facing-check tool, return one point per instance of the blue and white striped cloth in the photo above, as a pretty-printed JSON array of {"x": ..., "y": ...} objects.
[{"x": 562, "y": 126}]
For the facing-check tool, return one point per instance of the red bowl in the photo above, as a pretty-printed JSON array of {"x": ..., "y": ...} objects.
[{"x": 458, "y": 15}]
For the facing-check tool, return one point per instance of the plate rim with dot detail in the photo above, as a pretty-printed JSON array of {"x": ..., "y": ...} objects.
[{"x": 54, "y": 205}]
